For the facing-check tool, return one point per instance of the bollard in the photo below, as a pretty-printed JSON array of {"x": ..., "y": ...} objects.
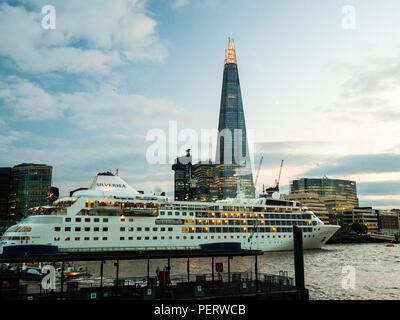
[{"x": 298, "y": 257}]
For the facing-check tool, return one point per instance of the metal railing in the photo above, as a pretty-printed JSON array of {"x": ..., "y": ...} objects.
[{"x": 150, "y": 248}]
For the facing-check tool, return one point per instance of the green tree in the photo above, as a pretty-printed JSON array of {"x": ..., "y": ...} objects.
[{"x": 360, "y": 228}]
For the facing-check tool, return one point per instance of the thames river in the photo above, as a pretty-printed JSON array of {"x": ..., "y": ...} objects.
[{"x": 339, "y": 272}]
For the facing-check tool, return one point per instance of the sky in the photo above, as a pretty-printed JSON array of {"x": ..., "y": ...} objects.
[{"x": 320, "y": 84}]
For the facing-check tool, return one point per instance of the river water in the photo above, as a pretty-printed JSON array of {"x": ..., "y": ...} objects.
[{"x": 336, "y": 272}]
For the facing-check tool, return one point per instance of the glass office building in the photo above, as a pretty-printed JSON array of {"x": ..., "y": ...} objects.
[
  {"x": 29, "y": 187},
  {"x": 326, "y": 187},
  {"x": 5, "y": 176},
  {"x": 232, "y": 156},
  {"x": 183, "y": 185}
]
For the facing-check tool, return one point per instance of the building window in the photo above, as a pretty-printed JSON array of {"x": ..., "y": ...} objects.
[
  {"x": 155, "y": 229},
  {"x": 96, "y": 238},
  {"x": 130, "y": 229},
  {"x": 87, "y": 229},
  {"x": 104, "y": 238},
  {"x": 122, "y": 238},
  {"x": 87, "y": 219},
  {"x": 56, "y": 238},
  {"x": 130, "y": 238},
  {"x": 122, "y": 229},
  {"x": 105, "y": 219},
  {"x": 57, "y": 229},
  {"x": 86, "y": 238},
  {"x": 66, "y": 239},
  {"x": 170, "y": 229},
  {"x": 96, "y": 229},
  {"x": 77, "y": 219},
  {"x": 96, "y": 220},
  {"x": 146, "y": 229},
  {"x": 77, "y": 229},
  {"x": 67, "y": 228},
  {"x": 146, "y": 238},
  {"x": 105, "y": 229},
  {"x": 139, "y": 229},
  {"x": 77, "y": 239}
]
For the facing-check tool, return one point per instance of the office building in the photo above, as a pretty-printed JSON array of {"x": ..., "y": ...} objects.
[
  {"x": 184, "y": 185},
  {"x": 363, "y": 215},
  {"x": 232, "y": 156},
  {"x": 204, "y": 175},
  {"x": 327, "y": 187},
  {"x": 30, "y": 184},
  {"x": 5, "y": 176},
  {"x": 313, "y": 202}
]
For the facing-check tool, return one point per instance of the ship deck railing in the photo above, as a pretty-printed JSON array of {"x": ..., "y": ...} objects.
[{"x": 155, "y": 248}]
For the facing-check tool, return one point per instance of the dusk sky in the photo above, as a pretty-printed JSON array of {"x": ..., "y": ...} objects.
[{"x": 322, "y": 96}]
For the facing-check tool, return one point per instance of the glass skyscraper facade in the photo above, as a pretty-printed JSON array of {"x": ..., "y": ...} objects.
[
  {"x": 29, "y": 187},
  {"x": 5, "y": 176},
  {"x": 327, "y": 187},
  {"x": 232, "y": 156}
]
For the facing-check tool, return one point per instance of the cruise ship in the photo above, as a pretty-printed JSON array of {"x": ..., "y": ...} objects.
[{"x": 111, "y": 215}]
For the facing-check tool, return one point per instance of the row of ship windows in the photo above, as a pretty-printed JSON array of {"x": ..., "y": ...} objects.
[
  {"x": 178, "y": 238},
  {"x": 123, "y": 219},
  {"x": 235, "y": 230},
  {"x": 96, "y": 229},
  {"x": 186, "y": 229},
  {"x": 271, "y": 215}
]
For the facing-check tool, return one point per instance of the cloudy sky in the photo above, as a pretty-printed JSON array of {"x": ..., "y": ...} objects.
[{"x": 320, "y": 85}]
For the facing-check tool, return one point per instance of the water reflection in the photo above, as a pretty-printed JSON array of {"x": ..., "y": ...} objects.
[{"x": 376, "y": 266}]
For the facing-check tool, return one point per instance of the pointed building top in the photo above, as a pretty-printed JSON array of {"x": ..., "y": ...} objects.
[{"x": 230, "y": 53}]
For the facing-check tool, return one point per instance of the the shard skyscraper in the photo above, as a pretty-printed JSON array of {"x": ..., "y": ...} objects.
[{"x": 233, "y": 167}]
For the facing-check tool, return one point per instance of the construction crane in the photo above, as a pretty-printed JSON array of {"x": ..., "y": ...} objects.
[
  {"x": 258, "y": 172},
  {"x": 271, "y": 190},
  {"x": 279, "y": 177}
]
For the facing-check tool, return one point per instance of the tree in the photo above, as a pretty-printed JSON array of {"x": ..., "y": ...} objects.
[{"x": 359, "y": 228}]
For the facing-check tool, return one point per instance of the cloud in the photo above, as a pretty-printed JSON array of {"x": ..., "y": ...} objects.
[
  {"x": 91, "y": 37},
  {"x": 379, "y": 188},
  {"x": 179, "y": 3},
  {"x": 102, "y": 107},
  {"x": 352, "y": 164},
  {"x": 373, "y": 77},
  {"x": 28, "y": 101}
]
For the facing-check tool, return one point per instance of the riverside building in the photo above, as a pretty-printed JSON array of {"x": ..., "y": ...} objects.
[
  {"x": 30, "y": 184},
  {"x": 327, "y": 187},
  {"x": 313, "y": 202}
]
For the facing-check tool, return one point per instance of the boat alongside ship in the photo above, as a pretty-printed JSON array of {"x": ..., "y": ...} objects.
[{"x": 111, "y": 215}]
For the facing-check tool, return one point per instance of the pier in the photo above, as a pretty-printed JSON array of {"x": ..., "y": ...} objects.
[{"x": 213, "y": 285}]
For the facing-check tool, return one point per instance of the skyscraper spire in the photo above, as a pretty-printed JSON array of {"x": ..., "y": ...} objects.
[{"x": 230, "y": 53}]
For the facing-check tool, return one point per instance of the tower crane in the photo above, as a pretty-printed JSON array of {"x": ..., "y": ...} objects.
[
  {"x": 271, "y": 190},
  {"x": 258, "y": 172},
  {"x": 279, "y": 177}
]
